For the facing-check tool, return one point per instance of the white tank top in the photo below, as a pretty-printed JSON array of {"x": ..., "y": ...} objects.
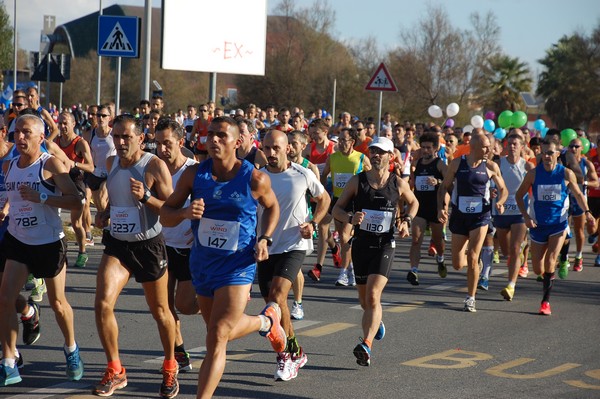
[
  {"x": 130, "y": 220},
  {"x": 178, "y": 236},
  {"x": 32, "y": 223},
  {"x": 102, "y": 148}
]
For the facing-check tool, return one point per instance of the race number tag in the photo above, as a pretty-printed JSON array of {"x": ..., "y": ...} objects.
[
  {"x": 376, "y": 221},
  {"x": 510, "y": 206},
  {"x": 125, "y": 220},
  {"x": 341, "y": 179},
  {"x": 470, "y": 204},
  {"x": 421, "y": 184},
  {"x": 219, "y": 234},
  {"x": 28, "y": 215},
  {"x": 549, "y": 192}
]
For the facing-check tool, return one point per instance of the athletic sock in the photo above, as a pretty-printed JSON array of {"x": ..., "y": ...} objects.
[
  {"x": 414, "y": 269},
  {"x": 9, "y": 363},
  {"x": 511, "y": 284},
  {"x": 29, "y": 313},
  {"x": 180, "y": 348},
  {"x": 367, "y": 342},
  {"x": 548, "y": 283},
  {"x": 70, "y": 349},
  {"x": 319, "y": 267},
  {"x": 440, "y": 258},
  {"x": 265, "y": 323},
  {"x": 170, "y": 364},
  {"x": 564, "y": 251},
  {"x": 486, "y": 258},
  {"x": 579, "y": 255},
  {"x": 292, "y": 345},
  {"x": 115, "y": 365}
]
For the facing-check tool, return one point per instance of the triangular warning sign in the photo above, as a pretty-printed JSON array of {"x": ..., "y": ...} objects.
[
  {"x": 381, "y": 80},
  {"x": 117, "y": 41}
]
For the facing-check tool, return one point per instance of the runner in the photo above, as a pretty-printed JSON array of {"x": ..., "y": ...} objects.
[
  {"x": 375, "y": 195},
  {"x": 138, "y": 183},
  {"x": 225, "y": 194},
  {"x": 547, "y": 218},
  {"x": 37, "y": 185}
]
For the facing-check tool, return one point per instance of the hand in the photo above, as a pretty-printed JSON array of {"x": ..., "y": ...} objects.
[
  {"x": 403, "y": 230},
  {"x": 137, "y": 188},
  {"x": 306, "y": 230},
  {"x": 530, "y": 223},
  {"x": 443, "y": 215},
  {"x": 500, "y": 208},
  {"x": 260, "y": 251},
  {"x": 358, "y": 217},
  {"x": 432, "y": 181},
  {"x": 195, "y": 210},
  {"x": 29, "y": 194},
  {"x": 101, "y": 219}
]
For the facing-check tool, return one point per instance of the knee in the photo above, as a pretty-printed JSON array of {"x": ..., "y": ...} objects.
[
  {"x": 186, "y": 306},
  {"x": 58, "y": 305},
  {"x": 278, "y": 295}
]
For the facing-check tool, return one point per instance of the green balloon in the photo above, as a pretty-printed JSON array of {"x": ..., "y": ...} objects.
[
  {"x": 505, "y": 119},
  {"x": 566, "y": 136},
  {"x": 585, "y": 145},
  {"x": 519, "y": 119}
]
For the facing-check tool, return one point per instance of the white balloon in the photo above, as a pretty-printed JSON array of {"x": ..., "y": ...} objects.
[
  {"x": 435, "y": 111},
  {"x": 452, "y": 109},
  {"x": 477, "y": 121},
  {"x": 468, "y": 129}
]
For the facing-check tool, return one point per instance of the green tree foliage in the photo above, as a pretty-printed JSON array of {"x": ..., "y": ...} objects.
[
  {"x": 6, "y": 39},
  {"x": 570, "y": 80},
  {"x": 506, "y": 78}
]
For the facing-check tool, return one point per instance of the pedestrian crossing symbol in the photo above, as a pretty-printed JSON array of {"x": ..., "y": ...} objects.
[
  {"x": 118, "y": 36},
  {"x": 381, "y": 80}
]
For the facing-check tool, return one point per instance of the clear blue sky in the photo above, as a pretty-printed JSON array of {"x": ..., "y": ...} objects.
[{"x": 528, "y": 27}]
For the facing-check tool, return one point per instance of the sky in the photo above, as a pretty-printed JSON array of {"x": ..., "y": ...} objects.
[{"x": 528, "y": 27}]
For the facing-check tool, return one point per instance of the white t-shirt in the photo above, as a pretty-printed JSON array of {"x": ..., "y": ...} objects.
[{"x": 290, "y": 188}]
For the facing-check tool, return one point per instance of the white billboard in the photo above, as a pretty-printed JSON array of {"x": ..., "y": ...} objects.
[{"x": 225, "y": 36}]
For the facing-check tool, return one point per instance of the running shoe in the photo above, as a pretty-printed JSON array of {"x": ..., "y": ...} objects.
[
  {"x": 286, "y": 368},
  {"x": 412, "y": 278},
  {"x": 183, "y": 361},
  {"x": 563, "y": 269},
  {"x": 342, "y": 280},
  {"x": 578, "y": 265},
  {"x": 89, "y": 240},
  {"x": 496, "y": 257},
  {"x": 276, "y": 334},
  {"x": 110, "y": 382},
  {"x": 31, "y": 326},
  {"x": 9, "y": 375},
  {"x": 592, "y": 238},
  {"x": 545, "y": 308},
  {"x": 432, "y": 251},
  {"x": 363, "y": 354},
  {"x": 32, "y": 282},
  {"x": 297, "y": 311},
  {"x": 508, "y": 292},
  {"x": 351, "y": 277},
  {"x": 483, "y": 283},
  {"x": 82, "y": 259},
  {"x": 524, "y": 271},
  {"x": 19, "y": 362},
  {"x": 469, "y": 305},
  {"x": 315, "y": 274},
  {"x": 37, "y": 294},
  {"x": 595, "y": 247},
  {"x": 74, "y": 365},
  {"x": 597, "y": 261},
  {"x": 170, "y": 386},
  {"x": 442, "y": 270},
  {"x": 336, "y": 254},
  {"x": 380, "y": 331},
  {"x": 299, "y": 358}
]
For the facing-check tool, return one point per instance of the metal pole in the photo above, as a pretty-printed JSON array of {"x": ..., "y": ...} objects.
[
  {"x": 379, "y": 117},
  {"x": 15, "y": 50},
  {"x": 333, "y": 103},
  {"x": 212, "y": 87},
  {"x": 60, "y": 98},
  {"x": 99, "y": 74},
  {"x": 145, "y": 95},
  {"x": 48, "y": 80},
  {"x": 118, "y": 87}
]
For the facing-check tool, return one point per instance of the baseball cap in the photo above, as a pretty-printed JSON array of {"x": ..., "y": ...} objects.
[{"x": 382, "y": 143}]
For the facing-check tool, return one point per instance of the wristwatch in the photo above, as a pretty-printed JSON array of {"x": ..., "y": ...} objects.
[
  {"x": 146, "y": 197},
  {"x": 43, "y": 198},
  {"x": 268, "y": 239},
  {"x": 315, "y": 225}
]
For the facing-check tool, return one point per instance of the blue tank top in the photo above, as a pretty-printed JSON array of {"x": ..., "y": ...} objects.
[
  {"x": 225, "y": 236},
  {"x": 471, "y": 193},
  {"x": 549, "y": 204}
]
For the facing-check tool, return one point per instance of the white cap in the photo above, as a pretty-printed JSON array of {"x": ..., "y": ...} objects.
[{"x": 382, "y": 143}]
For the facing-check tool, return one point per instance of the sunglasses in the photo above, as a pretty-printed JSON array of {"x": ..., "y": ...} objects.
[
  {"x": 203, "y": 110},
  {"x": 102, "y": 115},
  {"x": 574, "y": 146},
  {"x": 549, "y": 153},
  {"x": 92, "y": 114},
  {"x": 18, "y": 104}
]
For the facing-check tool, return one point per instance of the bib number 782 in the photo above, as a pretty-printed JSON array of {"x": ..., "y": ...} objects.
[{"x": 27, "y": 221}]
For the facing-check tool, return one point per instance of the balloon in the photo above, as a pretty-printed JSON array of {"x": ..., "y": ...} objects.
[
  {"x": 477, "y": 121},
  {"x": 585, "y": 145},
  {"x": 566, "y": 136},
  {"x": 449, "y": 122},
  {"x": 452, "y": 109},
  {"x": 435, "y": 111},
  {"x": 490, "y": 115},
  {"x": 505, "y": 119},
  {"x": 500, "y": 133},
  {"x": 489, "y": 125},
  {"x": 519, "y": 119},
  {"x": 539, "y": 124},
  {"x": 468, "y": 129},
  {"x": 544, "y": 131}
]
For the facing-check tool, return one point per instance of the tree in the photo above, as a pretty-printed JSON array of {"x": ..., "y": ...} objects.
[
  {"x": 506, "y": 78},
  {"x": 6, "y": 44},
  {"x": 570, "y": 80}
]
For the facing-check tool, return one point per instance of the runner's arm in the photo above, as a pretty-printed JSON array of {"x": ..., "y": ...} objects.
[{"x": 172, "y": 212}]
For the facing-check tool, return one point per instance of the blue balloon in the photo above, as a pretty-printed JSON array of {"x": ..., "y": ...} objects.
[
  {"x": 489, "y": 125},
  {"x": 500, "y": 133},
  {"x": 544, "y": 131},
  {"x": 539, "y": 125}
]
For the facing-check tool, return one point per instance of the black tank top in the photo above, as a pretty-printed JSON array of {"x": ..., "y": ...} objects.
[
  {"x": 384, "y": 201},
  {"x": 424, "y": 192}
]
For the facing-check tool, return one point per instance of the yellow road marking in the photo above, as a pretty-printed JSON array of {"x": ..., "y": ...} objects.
[
  {"x": 499, "y": 370},
  {"x": 326, "y": 329}
]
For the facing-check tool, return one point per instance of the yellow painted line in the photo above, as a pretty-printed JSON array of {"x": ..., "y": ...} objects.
[
  {"x": 240, "y": 356},
  {"x": 499, "y": 370},
  {"x": 326, "y": 329},
  {"x": 450, "y": 359},
  {"x": 580, "y": 384},
  {"x": 403, "y": 308}
]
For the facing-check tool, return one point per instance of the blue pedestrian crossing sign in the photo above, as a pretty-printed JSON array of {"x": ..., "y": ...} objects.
[{"x": 118, "y": 36}]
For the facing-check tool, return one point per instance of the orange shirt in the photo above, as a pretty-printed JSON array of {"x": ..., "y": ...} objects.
[
  {"x": 462, "y": 149},
  {"x": 364, "y": 146}
]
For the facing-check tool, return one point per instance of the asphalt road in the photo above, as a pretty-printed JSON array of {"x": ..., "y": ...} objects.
[{"x": 432, "y": 348}]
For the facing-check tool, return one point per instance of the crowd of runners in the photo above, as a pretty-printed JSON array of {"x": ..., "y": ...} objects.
[{"x": 198, "y": 207}]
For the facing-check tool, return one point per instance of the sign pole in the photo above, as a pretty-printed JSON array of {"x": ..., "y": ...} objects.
[
  {"x": 60, "y": 98},
  {"x": 118, "y": 87},
  {"x": 99, "y": 72},
  {"x": 333, "y": 104},
  {"x": 48, "y": 81},
  {"x": 379, "y": 115}
]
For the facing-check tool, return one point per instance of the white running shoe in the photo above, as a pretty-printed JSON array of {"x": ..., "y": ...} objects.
[
  {"x": 286, "y": 368},
  {"x": 297, "y": 311},
  {"x": 342, "y": 280}
]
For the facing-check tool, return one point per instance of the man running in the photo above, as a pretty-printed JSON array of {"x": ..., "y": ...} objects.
[{"x": 375, "y": 195}]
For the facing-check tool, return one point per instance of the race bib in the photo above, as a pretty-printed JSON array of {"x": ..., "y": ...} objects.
[
  {"x": 341, "y": 179},
  {"x": 219, "y": 234},
  {"x": 470, "y": 204},
  {"x": 421, "y": 184},
  {"x": 376, "y": 221},
  {"x": 125, "y": 220},
  {"x": 510, "y": 206},
  {"x": 28, "y": 215},
  {"x": 549, "y": 192}
]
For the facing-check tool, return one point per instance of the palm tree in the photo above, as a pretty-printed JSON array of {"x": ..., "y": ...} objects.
[{"x": 507, "y": 78}]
